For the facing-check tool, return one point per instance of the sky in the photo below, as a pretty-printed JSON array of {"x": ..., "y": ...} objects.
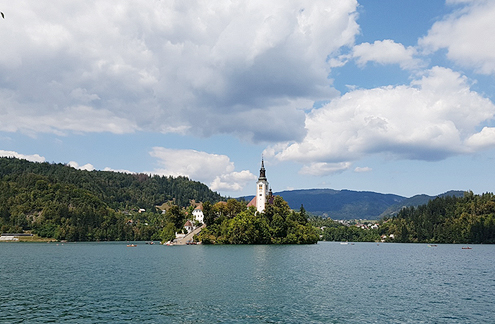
[{"x": 372, "y": 95}]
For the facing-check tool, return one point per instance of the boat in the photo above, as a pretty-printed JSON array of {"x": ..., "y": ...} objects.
[
  {"x": 466, "y": 248},
  {"x": 432, "y": 245},
  {"x": 131, "y": 245},
  {"x": 344, "y": 243}
]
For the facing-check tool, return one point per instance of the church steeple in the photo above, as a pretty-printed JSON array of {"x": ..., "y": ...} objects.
[
  {"x": 262, "y": 171},
  {"x": 261, "y": 189}
]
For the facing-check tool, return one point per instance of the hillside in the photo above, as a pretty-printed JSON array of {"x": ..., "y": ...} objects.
[
  {"x": 55, "y": 200},
  {"x": 340, "y": 204},
  {"x": 418, "y": 200},
  {"x": 348, "y": 204},
  {"x": 117, "y": 190}
]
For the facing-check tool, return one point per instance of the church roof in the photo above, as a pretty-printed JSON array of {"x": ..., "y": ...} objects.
[{"x": 252, "y": 202}]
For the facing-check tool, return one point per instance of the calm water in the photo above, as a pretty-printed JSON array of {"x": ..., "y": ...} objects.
[{"x": 323, "y": 283}]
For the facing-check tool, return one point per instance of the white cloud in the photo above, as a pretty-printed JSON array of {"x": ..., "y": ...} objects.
[
  {"x": 70, "y": 119},
  {"x": 118, "y": 170},
  {"x": 32, "y": 157},
  {"x": 234, "y": 181},
  {"x": 213, "y": 169},
  {"x": 323, "y": 168},
  {"x": 385, "y": 52},
  {"x": 362, "y": 169},
  {"x": 434, "y": 117},
  {"x": 200, "y": 67},
  {"x": 75, "y": 165},
  {"x": 467, "y": 35},
  {"x": 483, "y": 139}
]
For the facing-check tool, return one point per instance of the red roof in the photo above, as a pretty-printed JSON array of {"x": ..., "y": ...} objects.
[{"x": 252, "y": 202}]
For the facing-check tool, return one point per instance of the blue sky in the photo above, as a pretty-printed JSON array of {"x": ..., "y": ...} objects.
[{"x": 387, "y": 96}]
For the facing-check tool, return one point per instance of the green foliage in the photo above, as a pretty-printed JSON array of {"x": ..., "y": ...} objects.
[
  {"x": 235, "y": 224},
  {"x": 176, "y": 216},
  {"x": 350, "y": 234},
  {"x": 55, "y": 200},
  {"x": 468, "y": 219}
]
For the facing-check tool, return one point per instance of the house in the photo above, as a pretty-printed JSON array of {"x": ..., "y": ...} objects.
[
  {"x": 198, "y": 214},
  {"x": 189, "y": 227}
]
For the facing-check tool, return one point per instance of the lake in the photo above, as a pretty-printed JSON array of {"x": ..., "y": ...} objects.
[{"x": 323, "y": 283}]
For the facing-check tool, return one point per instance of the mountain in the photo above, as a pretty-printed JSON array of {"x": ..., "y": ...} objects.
[
  {"x": 348, "y": 204},
  {"x": 417, "y": 201}
]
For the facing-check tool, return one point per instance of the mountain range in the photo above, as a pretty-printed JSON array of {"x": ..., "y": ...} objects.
[{"x": 348, "y": 204}]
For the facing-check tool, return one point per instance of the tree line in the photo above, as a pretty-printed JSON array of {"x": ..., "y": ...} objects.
[
  {"x": 58, "y": 201},
  {"x": 466, "y": 220}
]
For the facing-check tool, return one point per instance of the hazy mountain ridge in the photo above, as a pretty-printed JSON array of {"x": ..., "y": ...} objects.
[{"x": 349, "y": 204}]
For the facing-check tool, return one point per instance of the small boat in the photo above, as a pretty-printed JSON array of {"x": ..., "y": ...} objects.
[
  {"x": 344, "y": 243},
  {"x": 466, "y": 248},
  {"x": 131, "y": 245},
  {"x": 432, "y": 245}
]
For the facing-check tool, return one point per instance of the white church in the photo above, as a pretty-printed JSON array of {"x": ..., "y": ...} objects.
[{"x": 263, "y": 193}]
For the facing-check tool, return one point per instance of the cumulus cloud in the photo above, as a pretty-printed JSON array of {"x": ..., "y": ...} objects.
[
  {"x": 362, "y": 169},
  {"x": 32, "y": 157},
  {"x": 200, "y": 67},
  {"x": 466, "y": 35},
  {"x": 213, "y": 169},
  {"x": 323, "y": 168},
  {"x": 234, "y": 181},
  {"x": 386, "y": 52},
  {"x": 87, "y": 166},
  {"x": 482, "y": 140},
  {"x": 118, "y": 170},
  {"x": 435, "y": 116}
]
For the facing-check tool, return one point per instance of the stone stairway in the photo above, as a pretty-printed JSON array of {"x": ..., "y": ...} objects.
[{"x": 188, "y": 237}]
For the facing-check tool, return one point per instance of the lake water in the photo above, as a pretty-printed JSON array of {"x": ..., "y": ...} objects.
[{"x": 323, "y": 283}]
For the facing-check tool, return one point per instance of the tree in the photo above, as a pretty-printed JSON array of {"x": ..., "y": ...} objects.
[
  {"x": 175, "y": 216},
  {"x": 208, "y": 213}
]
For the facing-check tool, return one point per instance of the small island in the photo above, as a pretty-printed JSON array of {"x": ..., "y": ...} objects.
[{"x": 266, "y": 219}]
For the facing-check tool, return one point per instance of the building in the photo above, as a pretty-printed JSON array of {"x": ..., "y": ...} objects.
[
  {"x": 189, "y": 227},
  {"x": 198, "y": 214},
  {"x": 263, "y": 193}
]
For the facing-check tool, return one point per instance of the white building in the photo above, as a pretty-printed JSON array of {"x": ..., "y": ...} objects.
[
  {"x": 263, "y": 194},
  {"x": 198, "y": 214},
  {"x": 189, "y": 227}
]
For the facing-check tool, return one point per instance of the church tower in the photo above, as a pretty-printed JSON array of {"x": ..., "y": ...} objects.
[{"x": 261, "y": 189}]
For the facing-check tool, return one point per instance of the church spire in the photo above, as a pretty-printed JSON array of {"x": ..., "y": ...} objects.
[
  {"x": 261, "y": 188},
  {"x": 262, "y": 170}
]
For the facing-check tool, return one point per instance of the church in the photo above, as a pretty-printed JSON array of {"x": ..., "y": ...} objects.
[{"x": 263, "y": 192}]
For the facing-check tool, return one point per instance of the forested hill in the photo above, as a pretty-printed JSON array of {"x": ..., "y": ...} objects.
[
  {"x": 55, "y": 200},
  {"x": 448, "y": 219},
  {"x": 340, "y": 204},
  {"x": 349, "y": 204},
  {"x": 117, "y": 190}
]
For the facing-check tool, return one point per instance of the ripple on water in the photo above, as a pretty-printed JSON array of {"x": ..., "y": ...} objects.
[{"x": 323, "y": 283}]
